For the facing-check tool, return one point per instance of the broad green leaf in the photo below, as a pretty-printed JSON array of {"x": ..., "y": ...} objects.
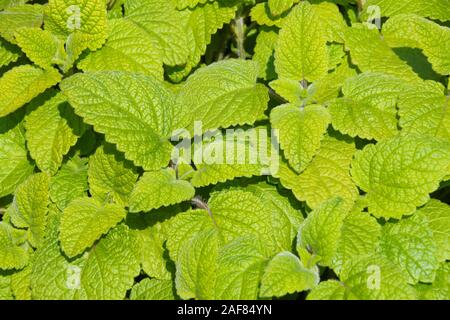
[
  {"x": 438, "y": 216},
  {"x": 433, "y": 116},
  {"x": 400, "y": 172},
  {"x": 81, "y": 23},
  {"x": 260, "y": 14},
  {"x": 224, "y": 94},
  {"x": 8, "y": 53},
  {"x": 20, "y": 16},
  {"x": 277, "y": 7},
  {"x": 375, "y": 278},
  {"x": 107, "y": 272},
  {"x": 286, "y": 274},
  {"x": 14, "y": 164},
  {"x": 200, "y": 24},
  {"x": 153, "y": 289},
  {"x": 110, "y": 176},
  {"x": 161, "y": 20},
  {"x": 197, "y": 266},
  {"x": 134, "y": 111},
  {"x": 300, "y": 131},
  {"x": 328, "y": 290},
  {"x": 372, "y": 54},
  {"x": 360, "y": 236},
  {"x": 51, "y": 130},
  {"x": 327, "y": 175},
  {"x": 21, "y": 84},
  {"x": 21, "y": 284},
  {"x": 410, "y": 244},
  {"x": 84, "y": 221},
  {"x": 128, "y": 48},
  {"x": 12, "y": 255},
  {"x": 409, "y": 30},
  {"x": 240, "y": 267},
  {"x": 264, "y": 53},
  {"x": 30, "y": 203},
  {"x": 434, "y": 9},
  {"x": 440, "y": 288},
  {"x": 242, "y": 153},
  {"x": 4, "y": 4},
  {"x": 321, "y": 230},
  {"x": 358, "y": 118},
  {"x": 5, "y": 286},
  {"x": 70, "y": 182},
  {"x": 332, "y": 20},
  {"x": 159, "y": 188},
  {"x": 41, "y": 46},
  {"x": 301, "y": 52},
  {"x": 183, "y": 4}
]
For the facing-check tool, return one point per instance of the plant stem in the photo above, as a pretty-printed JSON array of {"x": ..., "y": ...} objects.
[{"x": 239, "y": 31}]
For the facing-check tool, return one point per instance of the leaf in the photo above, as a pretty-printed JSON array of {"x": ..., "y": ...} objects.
[
  {"x": 84, "y": 221},
  {"x": 241, "y": 265},
  {"x": 410, "y": 244},
  {"x": 300, "y": 131},
  {"x": 438, "y": 215},
  {"x": 14, "y": 164},
  {"x": 286, "y": 274},
  {"x": 153, "y": 289},
  {"x": 120, "y": 51},
  {"x": 372, "y": 54},
  {"x": 133, "y": 111},
  {"x": 15, "y": 17},
  {"x": 70, "y": 182},
  {"x": 399, "y": 173},
  {"x": 410, "y": 30},
  {"x": 8, "y": 53},
  {"x": 264, "y": 53},
  {"x": 328, "y": 290},
  {"x": 12, "y": 255},
  {"x": 308, "y": 58},
  {"x": 159, "y": 188},
  {"x": 360, "y": 236},
  {"x": 201, "y": 24},
  {"x": 321, "y": 230},
  {"x": 260, "y": 14},
  {"x": 182, "y": 4},
  {"x": 31, "y": 199},
  {"x": 41, "y": 46},
  {"x": 357, "y": 118},
  {"x": 224, "y": 94},
  {"x": 439, "y": 289},
  {"x": 110, "y": 176},
  {"x": 20, "y": 284},
  {"x": 81, "y": 23},
  {"x": 161, "y": 20},
  {"x": 23, "y": 83},
  {"x": 327, "y": 176},
  {"x": 435, "y": 9},
  {"x": 277, "y": 7},
  {"x": 196, "y": 266},
  {"x": 51, "y": 130}
]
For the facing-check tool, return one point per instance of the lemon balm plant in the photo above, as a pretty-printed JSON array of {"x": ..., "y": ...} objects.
[{"x": 224, "y": 149}]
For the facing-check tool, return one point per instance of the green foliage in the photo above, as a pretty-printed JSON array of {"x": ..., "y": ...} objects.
[{"x": 217, "y": 149}]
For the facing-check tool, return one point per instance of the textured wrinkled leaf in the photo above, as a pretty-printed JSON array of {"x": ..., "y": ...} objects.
[
  {"x": 328, "y": 290},
  {"x": 128, "y": 48},
  {"x": 159, "y": 188},
  {"x": 399, "y": 173},
  {"x": 51, "y": 130},
  {"x": 110, "y": 176},
  {"x": 20, "y": 16},
  {"x": 286, "y": 274},
  {"x": 300, "y": 131},
  {"x": 301, "y": 52},
  {"x": 30, "y": 203},
  {"x": 12, "y": 255},
  {"x": 21, "y": 84},
  {"x": 138, "y": 123},
  {"x": 412, "y": 31},
  {"x": 327, "y": 175},
  {"x": 153, "y": 289},
  {"x": 84, "y": 221},
  {"x": 161, "y": 20},
  {"x": 435, "y": 9},
  {"x": 224, "y": 94},
  {"x": 8, "y": 53},
  {"x": 70, "y": 182},
  {"x": 264, "y": 53},
  {"x": 196, "y": 266}
]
